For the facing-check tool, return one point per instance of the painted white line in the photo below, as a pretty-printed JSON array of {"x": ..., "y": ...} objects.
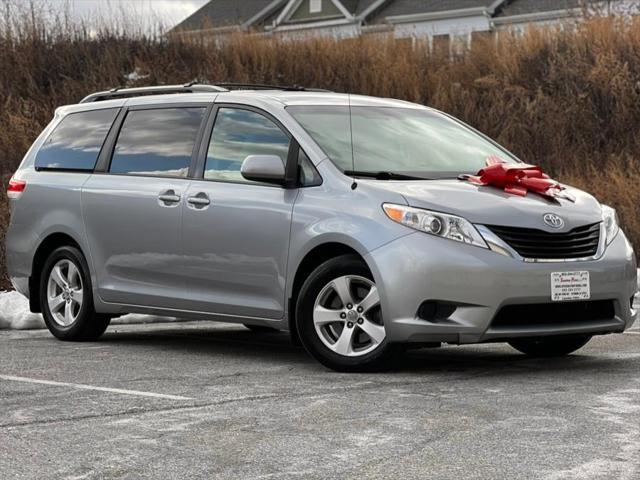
[
  {"x": 631, "y": 332},
  {"x": 80, "y": 386}
]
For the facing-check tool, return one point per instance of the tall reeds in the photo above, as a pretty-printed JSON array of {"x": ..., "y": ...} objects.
[{"x": 566, "y": 99}]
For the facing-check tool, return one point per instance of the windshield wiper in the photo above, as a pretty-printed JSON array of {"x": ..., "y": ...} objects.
[{"x": 382, "y": 175}]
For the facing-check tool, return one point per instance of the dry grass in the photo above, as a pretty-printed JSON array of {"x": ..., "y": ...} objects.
[{"x": 567, "y": 100}]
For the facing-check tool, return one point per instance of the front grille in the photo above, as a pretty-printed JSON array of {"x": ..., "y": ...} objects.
[
  {"x": 546, "y": 314},
  {"x": 532, "y": 243}
]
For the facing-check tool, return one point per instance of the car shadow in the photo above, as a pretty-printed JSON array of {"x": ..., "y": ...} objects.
[{"x": 276, "y": 348}]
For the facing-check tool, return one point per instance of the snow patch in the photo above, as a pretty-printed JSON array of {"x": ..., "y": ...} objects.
[
  {"x": 135, "y": 76},
  {"x": 15, "y": 315}
]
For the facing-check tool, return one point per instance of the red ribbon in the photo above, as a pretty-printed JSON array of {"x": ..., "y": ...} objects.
[{"x": 518, "y": 179}]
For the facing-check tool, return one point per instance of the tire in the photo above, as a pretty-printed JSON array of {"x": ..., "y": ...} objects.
[
  {"x": 261, "y": 328},
  {"x": 550, "y": 346},
  {"x": 333, "y": 333},
  {"x": 66, "y": 297}
]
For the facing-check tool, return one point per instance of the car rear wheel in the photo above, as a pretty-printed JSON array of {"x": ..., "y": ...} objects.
[
  {"x": 339, "y": 318},
  {"x": 550, "y": 346},
  {"x": 66, "y": 297}
]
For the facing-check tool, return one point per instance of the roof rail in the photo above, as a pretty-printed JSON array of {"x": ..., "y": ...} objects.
[
  {"x": 191, "y": 87},
  {"x": 159, "y": 90},
  {"x": 260, "y": 86}
]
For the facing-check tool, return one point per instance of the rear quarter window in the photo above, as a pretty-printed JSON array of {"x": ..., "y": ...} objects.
[{"x": 76, "y": 142}]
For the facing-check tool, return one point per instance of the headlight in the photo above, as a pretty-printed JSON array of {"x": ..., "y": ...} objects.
[
  {"x": 435, "y": 223},
  {"x": 610, "y": 219}
]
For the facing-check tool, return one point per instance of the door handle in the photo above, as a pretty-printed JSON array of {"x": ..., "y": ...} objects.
[
  {"x": 168, "y": 198},
  {"x": 200, "y": 200}
]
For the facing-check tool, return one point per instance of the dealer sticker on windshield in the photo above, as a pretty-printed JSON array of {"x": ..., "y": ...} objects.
[{"x": 570, "y": 286}]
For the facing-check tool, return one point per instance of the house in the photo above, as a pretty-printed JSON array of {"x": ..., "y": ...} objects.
[{"x": 440, "y": 21}]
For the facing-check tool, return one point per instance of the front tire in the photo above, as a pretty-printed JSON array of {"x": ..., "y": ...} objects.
[
  {"x": 339, "y": 319},
  {"x": 550, "y": 346},
  {"x": 66, "y": 298}
]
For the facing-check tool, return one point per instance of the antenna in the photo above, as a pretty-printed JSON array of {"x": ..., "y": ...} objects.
[{"x": 354, "y": 185}]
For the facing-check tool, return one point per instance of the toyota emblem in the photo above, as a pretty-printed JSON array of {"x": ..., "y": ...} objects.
[{"x": 553, "y": 220}]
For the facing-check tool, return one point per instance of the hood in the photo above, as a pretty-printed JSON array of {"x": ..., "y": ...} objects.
[{"x": 492, "y": 206}]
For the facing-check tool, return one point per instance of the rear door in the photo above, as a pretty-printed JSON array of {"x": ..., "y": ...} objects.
[
  {"x": 236, "y": 232},
  {"x": 133, "y": 208}
]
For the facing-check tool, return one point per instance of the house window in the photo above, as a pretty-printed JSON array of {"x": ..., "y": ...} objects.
[
  {"x": 481, "y": 35},
  {"x": 315, "y": 6},
  {"x": 441, "y": 44},
  {"x": 459, "y": 44}
]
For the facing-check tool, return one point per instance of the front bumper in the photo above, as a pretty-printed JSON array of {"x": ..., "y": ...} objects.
[{"x": 420, "y": 267}]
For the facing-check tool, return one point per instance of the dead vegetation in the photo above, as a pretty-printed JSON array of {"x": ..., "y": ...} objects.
[{"x": 568, "y": 100}]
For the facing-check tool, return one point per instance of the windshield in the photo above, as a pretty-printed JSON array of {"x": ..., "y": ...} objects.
[{"x": 399, "y": 140}]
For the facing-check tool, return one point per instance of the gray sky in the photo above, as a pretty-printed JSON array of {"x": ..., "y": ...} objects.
[{"x": 141, "y": 12}]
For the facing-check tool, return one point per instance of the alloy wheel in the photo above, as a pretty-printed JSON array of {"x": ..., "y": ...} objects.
[
  {"x": 347, "y": 316},
  {"x": 65, "y": 292}
]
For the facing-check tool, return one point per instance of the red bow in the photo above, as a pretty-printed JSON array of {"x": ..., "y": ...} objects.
[{"x": 518, "y": 179}]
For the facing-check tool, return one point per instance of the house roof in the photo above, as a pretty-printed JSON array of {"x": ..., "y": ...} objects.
[
  {"x": 223, "y": 13},
  {"x": 358, "y": 6},
  {"x": 410, "y": 7},
  {"x": 354, "y": 7},
  {"x": 523, "y": 7},
  {"x": 363, "y": 5},
  {"x": 226, "y": 13},
  {"x": 526, "y": 7}
]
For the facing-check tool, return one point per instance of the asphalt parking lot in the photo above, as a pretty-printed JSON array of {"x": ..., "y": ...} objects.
[{"x": 205, "y": 400}]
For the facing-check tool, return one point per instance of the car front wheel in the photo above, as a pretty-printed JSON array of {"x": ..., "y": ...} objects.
[{"x": 339, "y": 318}]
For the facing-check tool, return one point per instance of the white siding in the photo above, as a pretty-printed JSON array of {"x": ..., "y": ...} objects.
[
  {"x": 522, "y": 27},
  {"x": 452, "y": 26},
  {"x": 339, "y": 31}
]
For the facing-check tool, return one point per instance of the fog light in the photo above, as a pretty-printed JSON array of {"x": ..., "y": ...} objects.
[{"x": 435, "y": 311}]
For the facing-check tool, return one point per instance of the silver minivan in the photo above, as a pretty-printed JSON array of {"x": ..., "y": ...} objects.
[{"x": 355, "y": 223}]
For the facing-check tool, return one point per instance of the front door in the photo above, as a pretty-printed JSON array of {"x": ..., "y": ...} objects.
[{"x": 236, "y": 232}]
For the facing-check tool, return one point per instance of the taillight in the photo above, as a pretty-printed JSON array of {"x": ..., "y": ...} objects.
[{"x": 15, "y": 188}]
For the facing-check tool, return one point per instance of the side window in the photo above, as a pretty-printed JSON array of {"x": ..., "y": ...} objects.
[
  {"x": 308, "y": 176},
  {"x": 76, "y": 142},
  {"x": 157, "y": 142},
  {"x": 237, "y": 134}
]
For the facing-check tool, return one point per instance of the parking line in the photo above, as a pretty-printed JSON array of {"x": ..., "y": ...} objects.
[{"x": 80, "y": 386}]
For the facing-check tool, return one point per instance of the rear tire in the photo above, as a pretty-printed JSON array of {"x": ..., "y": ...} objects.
[
  {"x": 338, "y": 317},
  {"x": 550, "y": 346},
  {"x": 66, "y": 298}
]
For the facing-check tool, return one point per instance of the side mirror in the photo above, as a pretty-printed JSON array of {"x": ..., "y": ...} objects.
[{"x": 263, "y": 168}]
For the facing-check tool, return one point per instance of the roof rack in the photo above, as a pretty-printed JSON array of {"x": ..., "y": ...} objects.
[
  {"x": 159, "y": 90},
  {"x": 260, "y": 86},
  {"x": 191, "y": 87}
]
